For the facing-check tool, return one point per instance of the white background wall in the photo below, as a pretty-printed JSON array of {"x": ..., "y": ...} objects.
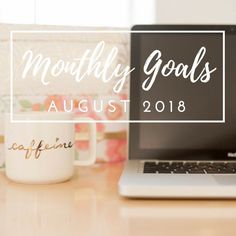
[
  {"x": 196, "y": 11},
  {"x": 121, "y": 13}
]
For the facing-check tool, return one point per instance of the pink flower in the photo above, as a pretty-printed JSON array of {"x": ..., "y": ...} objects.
[
  {"x": 84, "y": 128},
  {"x": 36, "y": 107},
  {"x": 123, "y": 96},
  {"x": 116, "y": 150},
  {"x": 117, "y": 114},
  {"x": 57, "y": 99},
  {"x": 84, "y": 105}
]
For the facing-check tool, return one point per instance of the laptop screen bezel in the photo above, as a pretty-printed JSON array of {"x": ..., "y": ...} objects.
[{"x": 135, "y": 152}]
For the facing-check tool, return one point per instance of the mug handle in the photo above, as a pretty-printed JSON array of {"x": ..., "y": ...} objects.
[{"x": 92, "y": 144}]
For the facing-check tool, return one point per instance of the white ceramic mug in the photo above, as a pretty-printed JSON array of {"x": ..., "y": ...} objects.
[{"x": 42, "y": 153}]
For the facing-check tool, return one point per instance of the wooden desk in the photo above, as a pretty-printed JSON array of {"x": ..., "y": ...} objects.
[{"x": 89, "y": 204}]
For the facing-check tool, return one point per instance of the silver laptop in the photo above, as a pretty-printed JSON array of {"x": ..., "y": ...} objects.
[{"x": 175, "y": 153}]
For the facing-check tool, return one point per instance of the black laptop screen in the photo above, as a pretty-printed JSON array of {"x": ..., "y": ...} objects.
[{"x": 199, "y": 114}]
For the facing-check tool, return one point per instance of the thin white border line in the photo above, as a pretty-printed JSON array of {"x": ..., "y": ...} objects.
[
  {"x": 11, "y": 76},
  {"x": 117, "y": 31},
  {"x": 113, "y": 31},
  {"x": 117, "y": 121},
  {"x": 223, "y": 51}
]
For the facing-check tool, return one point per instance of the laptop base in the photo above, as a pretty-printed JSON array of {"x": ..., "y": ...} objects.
[{"x": 135, "y": 184}]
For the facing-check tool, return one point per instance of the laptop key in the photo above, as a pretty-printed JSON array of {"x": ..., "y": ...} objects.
[
  {"x": 149, "y": 171},
  {"x": 176, "y": 165},
  {"x": 196, "y": 171},
  {"x": 150, "y": 163},
  {"x": 164, "y": 171},
  {"x": 212, "y": 171},
  {"x": 220, "y": 171},
  {"x": 179, "y": 171},
  {"x": 164, "y": 167},
  {"x": 163, "y": 164},
  {"x": 149, "y": 167}
]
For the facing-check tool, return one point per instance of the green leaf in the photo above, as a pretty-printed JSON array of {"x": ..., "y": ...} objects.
[{"x": 25, "y": 103}]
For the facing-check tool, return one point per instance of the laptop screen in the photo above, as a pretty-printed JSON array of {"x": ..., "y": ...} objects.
[{"x": 196, "y": 113}]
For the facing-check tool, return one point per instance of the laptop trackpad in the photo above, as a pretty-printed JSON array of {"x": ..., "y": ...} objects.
[
  {"x": 225, "y": 179},
  {"x": 178, "y": 180},
  {"x": 196, "y": 180}
]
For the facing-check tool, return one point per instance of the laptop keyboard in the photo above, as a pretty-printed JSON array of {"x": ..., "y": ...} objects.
[{"x": 199, "y": 167}]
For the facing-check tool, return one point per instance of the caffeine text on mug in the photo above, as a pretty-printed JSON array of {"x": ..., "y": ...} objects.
[{"x": 36, "y": 148}]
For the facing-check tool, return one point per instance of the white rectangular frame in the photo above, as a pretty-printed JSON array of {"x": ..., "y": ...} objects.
[{"x": 115, "y": 31}]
